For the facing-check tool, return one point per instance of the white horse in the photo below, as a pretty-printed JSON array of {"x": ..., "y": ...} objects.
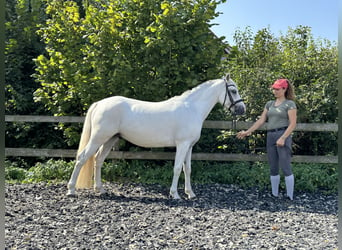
[{"x": 176, "y": 122}]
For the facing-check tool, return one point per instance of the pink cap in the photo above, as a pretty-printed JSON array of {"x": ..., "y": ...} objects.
[{"x": 280, "y": 83}]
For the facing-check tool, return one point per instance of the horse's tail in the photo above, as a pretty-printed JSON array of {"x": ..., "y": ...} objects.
[{"x": 85, "y": 177}]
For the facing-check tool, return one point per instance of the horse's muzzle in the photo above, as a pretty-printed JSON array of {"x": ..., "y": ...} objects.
[{"x": 239, "y": 109}]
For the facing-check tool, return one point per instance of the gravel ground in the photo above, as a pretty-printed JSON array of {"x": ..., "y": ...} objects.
[{"x": 135, "y": 216}]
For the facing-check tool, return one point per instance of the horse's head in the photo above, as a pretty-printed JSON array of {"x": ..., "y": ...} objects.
[{"x": 231, "y": 98}]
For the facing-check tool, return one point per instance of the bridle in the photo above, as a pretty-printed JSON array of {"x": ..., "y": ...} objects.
[{"x": 232, "y": 102}]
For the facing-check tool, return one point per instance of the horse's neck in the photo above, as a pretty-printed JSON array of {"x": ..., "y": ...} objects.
[{"x": 205, "y": 100}]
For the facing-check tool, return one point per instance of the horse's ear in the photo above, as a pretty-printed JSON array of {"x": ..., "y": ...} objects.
[{"x": 227, "y": 77}]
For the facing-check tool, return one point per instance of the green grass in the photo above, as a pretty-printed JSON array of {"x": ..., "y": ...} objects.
[{"x": 308, "y": 177}]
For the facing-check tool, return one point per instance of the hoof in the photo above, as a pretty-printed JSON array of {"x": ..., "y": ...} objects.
[
  {"x": 100, "y": 190},
  {"x": 190, "y": 194},
  {"x": 71, "y": 194},
  {"x": 175, "y": 196},
  {"x": 71, "y": 190},
  {"x": 102, "y": 193}
]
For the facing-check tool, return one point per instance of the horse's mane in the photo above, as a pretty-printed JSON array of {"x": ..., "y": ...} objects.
[{"x": 198, "y": 90}]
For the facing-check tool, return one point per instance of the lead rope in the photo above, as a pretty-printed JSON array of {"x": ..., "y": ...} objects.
[{"x": 234, "y": 121}]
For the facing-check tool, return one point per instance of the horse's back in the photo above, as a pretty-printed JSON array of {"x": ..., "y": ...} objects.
[{"x": 149, "y": 124}]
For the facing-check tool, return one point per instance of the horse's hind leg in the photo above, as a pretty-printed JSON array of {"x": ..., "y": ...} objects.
[
  {"x": 100, "y": 156},
  {"x": 82, "y": 158},
  {"x": 187, "y": 174}
]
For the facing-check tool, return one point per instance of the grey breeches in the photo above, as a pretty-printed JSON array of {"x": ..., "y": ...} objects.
[{"x": 279, "y": 157}]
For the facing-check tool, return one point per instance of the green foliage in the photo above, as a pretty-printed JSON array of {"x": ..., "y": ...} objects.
[
  {"x": 15, "y": 171},
  {"x": 309, "y": 177},
  {"x": 138, "y": 171},
  {"x": 22, "y": 45},
  {"x": 244, "y": 174},
  {"x": 152, "y": 50},
  {"x": 50, "y": 171},
  {"x": 315, "y": 176},
  {"x": 149, "y": 50},
  {"x": 15, "y": 174},
  {"x": 259, "y": 59},
  {"x": 311, "y": 65}
]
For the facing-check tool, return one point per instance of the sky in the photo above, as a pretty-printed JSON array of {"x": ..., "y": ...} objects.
[{"x": 278, "y": 15}]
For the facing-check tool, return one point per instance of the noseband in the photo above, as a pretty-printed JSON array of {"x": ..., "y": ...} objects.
[{"x": 232, "y": 102}]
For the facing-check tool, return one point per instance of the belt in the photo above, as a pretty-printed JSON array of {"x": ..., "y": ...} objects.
[{"x": 277, "y": 129}]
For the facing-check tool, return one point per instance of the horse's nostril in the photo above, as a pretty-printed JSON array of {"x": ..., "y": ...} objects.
[{"x": 239, "y": 110}]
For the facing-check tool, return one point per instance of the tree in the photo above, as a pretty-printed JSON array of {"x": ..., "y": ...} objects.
[
  {"x": 149, "y": 50},
  {"x": 22, "y": 45},
  {"x": 311, "y": 65}
]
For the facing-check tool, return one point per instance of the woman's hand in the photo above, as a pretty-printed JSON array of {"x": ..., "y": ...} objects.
[
  {"x": 280, "y": 142},
  {"x": 242, "y": 134}
]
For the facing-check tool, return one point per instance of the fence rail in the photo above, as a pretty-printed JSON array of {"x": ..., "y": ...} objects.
[
  {"x": 315, "y": 127},
  {"x": 66, "y": 153}
]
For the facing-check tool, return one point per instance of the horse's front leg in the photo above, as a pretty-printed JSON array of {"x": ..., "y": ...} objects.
[
  {"x": 187, "y": 175},
  {"x": 100, "y": 157},
  {"x": 181, "y": 152}
]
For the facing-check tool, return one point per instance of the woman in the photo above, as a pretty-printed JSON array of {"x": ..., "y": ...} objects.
[{"x": 281, "y": 117}]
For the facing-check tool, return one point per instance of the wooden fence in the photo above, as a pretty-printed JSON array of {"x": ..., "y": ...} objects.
[{"x": 147, "y": 155}]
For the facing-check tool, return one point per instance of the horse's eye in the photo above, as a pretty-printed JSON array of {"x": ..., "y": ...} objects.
[{"x": 234, "y": 91}]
